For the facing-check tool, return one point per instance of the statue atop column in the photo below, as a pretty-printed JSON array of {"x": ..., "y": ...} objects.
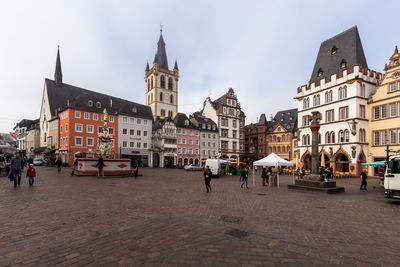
[{"x": 105, "y": 146}]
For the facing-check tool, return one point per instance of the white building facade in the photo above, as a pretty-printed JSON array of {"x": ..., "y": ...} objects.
[{"x": 339, "y": 89}]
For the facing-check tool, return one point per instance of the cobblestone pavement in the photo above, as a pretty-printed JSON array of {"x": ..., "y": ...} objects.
[{"x": 166, "y": 218}]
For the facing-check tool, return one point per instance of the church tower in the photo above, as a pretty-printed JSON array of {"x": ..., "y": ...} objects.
[{"x": 162, "y": 84}]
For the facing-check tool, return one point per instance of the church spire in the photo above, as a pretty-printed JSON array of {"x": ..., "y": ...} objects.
[
  {"x": 58, "y": 72},
  {"x": 147, "y": 66},
  {"x": 161, "y": 56},
  {"x": 176, "y": 65}
]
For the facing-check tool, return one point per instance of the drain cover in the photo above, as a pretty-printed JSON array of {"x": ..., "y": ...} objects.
[
  {"x": 237, "y": 233},
  {"x": 262, "y": 194},
  {"x": 231, "y": 219}
]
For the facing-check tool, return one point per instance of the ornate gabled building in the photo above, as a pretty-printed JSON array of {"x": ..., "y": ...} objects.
[
  {"x": 339, "y": 88},
  {"x": 163, "y": 143},
  {"x": 162, "y": 84},
  {"x": 230, "y": 119},
  {"x": 188, "y": 141},
  {"x": 384, "y": 110},
  {"x": 273, "y": 136}
]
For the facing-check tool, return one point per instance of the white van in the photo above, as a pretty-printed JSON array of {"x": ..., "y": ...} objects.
[
  {"x": 215, "y": 166},
  {"x": 392, "y": 177}
]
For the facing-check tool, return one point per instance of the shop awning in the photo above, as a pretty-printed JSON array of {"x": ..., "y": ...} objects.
[{"x": 375, "y": 163}]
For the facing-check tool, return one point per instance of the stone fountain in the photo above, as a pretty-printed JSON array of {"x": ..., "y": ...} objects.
[{"x": 105, "y": 148}]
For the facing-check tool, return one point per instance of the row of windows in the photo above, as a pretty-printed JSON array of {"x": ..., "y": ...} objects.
[
  {"x": 394, "y": 86},
  {"x": 89, "y": 128},
  {"x": 187, "y": 151},
  {"x": 342, "y": 94},
  {"x": 150, "y": 83},
  {"x": 86, "y": 116},
  {"x": 209, "y": 135},
  {"x": 150, "y": 98},
  {"x": 208, "y": 127},
  {"x": 343, "y": 114},
  {"x": 384, "y": 137},
  {"x": 79, "y": 141},
  {"x": 209, "y": 144},
  {"x": 343, "y": 137},
  {"x": 132, "y": 121},
  {"x": 132, "y": 132},
  {"x": 189, "y": 132},
  {"x": 278, "y": 149},
  {"x": 190, "y": 141},
  {"x": 132, "y": 144},
  {"x": 230, "y": 111},
  {"x": 225, "y": 122},
  {"x": 209, "y": 152},
  {"x": 381, "y": 112},
  {"x": 170, "y": 113},
  {"x": 283, "y": 138}
]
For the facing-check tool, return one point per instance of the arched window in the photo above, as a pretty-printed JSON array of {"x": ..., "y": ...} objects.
[
  {"x": 320, "y": 72},
  {"x": 327, "y": 138},
  {"x": 162, "y": 81},
  {"x": 274, "y": 138},
  {"x": 283, "y": 138},
  {"x": 341, "y": 136},
  {"x": 170, "y": 83},
  {"x": 283, "y": 149},
  {"x": 288, "y": 149},
  {"x": 151, "y": 82},
  {"x": 90, "y": 103},
  {"x": 161, "y": 96},
  {"x": 308, "y": 139},
  {"x": 279, "y": 149},
  {"x": 148, "y": 84},
  {"x": 345, "y": 91},
  {"x": 288, "y": 137},
  {"x": 333, "y": 50},
  {"x": 315, "y": 100},
  {"x": 319, "y": 138},
  {"x": 340, "y": 93},
  {"x": 327, "y": 97},
  {"x": 332, "y": 137},
  {"x": 330, "y": 96},
  {"x": 274, "y": 149},
  {"x": 343, "y": 64},
  {"x": 304, "y": 104},
  {"x": 318, "y": 100},
  {"x": 270, "y": 138},
  {"x": 279, "y": 139},
  {"x": 148, "y": 100},
  {"x": 362, "y": 90},
  {"x": 347, "y": 136},
  {"x": 171, "y": 99}
]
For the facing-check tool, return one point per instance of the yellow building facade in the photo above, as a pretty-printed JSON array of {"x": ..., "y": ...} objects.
[
  {"x": 53, "y": 138},
  {"x": 384, "y": 114}
]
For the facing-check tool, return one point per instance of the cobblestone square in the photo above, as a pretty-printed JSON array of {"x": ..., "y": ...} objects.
[{"x": 165, "y": 217}]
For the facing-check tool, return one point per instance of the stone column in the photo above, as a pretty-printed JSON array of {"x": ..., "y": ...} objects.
[{"x": 315, "y": 154}]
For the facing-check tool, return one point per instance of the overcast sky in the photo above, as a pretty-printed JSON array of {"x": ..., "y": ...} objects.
[{"x": 262, "y": 49}]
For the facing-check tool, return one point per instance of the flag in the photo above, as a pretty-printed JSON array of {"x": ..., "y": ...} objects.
[{"x": 13, "y": 135}]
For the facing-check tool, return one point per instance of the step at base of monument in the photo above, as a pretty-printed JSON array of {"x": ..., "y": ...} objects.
[
  {"x": 327, "y": 190},
  {"x": 312, "y": 183}
]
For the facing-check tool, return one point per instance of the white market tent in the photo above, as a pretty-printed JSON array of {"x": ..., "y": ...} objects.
[{"x": 272, "y": 160}]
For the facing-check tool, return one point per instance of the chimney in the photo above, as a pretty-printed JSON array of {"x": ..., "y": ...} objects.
[
  {"x": 67, "y": 102},
  {"x": 110, "y": 103}
]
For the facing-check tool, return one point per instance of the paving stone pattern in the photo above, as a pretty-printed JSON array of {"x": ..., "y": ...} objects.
[{"x": 165, "y": 218}]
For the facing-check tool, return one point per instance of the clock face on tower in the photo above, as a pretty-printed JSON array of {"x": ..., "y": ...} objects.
[{"x": 166, "y": 97}]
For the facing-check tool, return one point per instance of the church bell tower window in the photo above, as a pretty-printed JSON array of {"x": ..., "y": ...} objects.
[{"x": 162, "y": 81}]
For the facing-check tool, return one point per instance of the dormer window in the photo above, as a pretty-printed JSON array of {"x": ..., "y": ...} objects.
[
  {"x": 98, "y": 104},
  {"x": 186, "y": 122},
  {"x": 320, "y": 72},
  {"x": 90, "y": 103},
  {"x": 333, "y": 50},
  {"x": 343, "y": 64},
  {"x": 134, "y": 109}
]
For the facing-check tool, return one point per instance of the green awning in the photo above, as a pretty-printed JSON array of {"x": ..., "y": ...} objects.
[{"x": 375, "y": 163}]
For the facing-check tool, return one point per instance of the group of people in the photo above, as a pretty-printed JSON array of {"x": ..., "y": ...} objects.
[{"x": 16, "y": 168}]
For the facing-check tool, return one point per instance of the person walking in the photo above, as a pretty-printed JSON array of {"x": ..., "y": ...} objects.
[
  {"x": 17, "y": 165},
  {"x": 245, "y": 174},
  {"x": 263, "y": 176},
  {"x": 303, "y": 172},
  {"x": 74, "y": 167},
  {"x": 100, "y": 165},
  {"x": 31, "y": 174},
  {"x": 363, "y": 178},
  {"x": 59, "y": 164},
  {"x": 207, "y": 178},
  {"x": 269, "y": 174}
]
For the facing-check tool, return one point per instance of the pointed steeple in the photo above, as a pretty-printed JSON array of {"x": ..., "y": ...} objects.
[
  {"x": 161, "y": 56},
  {"x": 147, "y": 66},
  {"x": 396, "y": 51},
  {"x": 176, "y": 65},
  {"x": 58, "y": 72}
]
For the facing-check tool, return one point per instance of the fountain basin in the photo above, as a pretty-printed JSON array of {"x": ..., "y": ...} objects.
[{"x": 112, "y": 167}]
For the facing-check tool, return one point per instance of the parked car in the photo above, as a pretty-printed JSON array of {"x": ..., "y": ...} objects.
[
  {"x": 37, "y": 162},
  {"x": 193, "y": 167}
]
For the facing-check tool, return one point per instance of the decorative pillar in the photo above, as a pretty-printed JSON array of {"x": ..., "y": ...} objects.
[{"x": 314, "y": 149}]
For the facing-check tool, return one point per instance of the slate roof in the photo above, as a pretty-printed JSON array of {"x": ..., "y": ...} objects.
[
  {"x": 180, "y": 119},
  {"x": 202, "y": 120},
  {"x": 282, "y": 118},
  {"x": 26, "y": 123},
  {"x": 78, "y": 98},
  {"x": 348, "y": 47},
  {"x": 159, "y": 122},
  {"x": 161, "y": 55}
]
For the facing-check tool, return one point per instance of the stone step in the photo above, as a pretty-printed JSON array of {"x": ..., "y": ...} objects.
[
  {"x": 319, "y": 184},
  {"x": 329, "y": 190}
]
